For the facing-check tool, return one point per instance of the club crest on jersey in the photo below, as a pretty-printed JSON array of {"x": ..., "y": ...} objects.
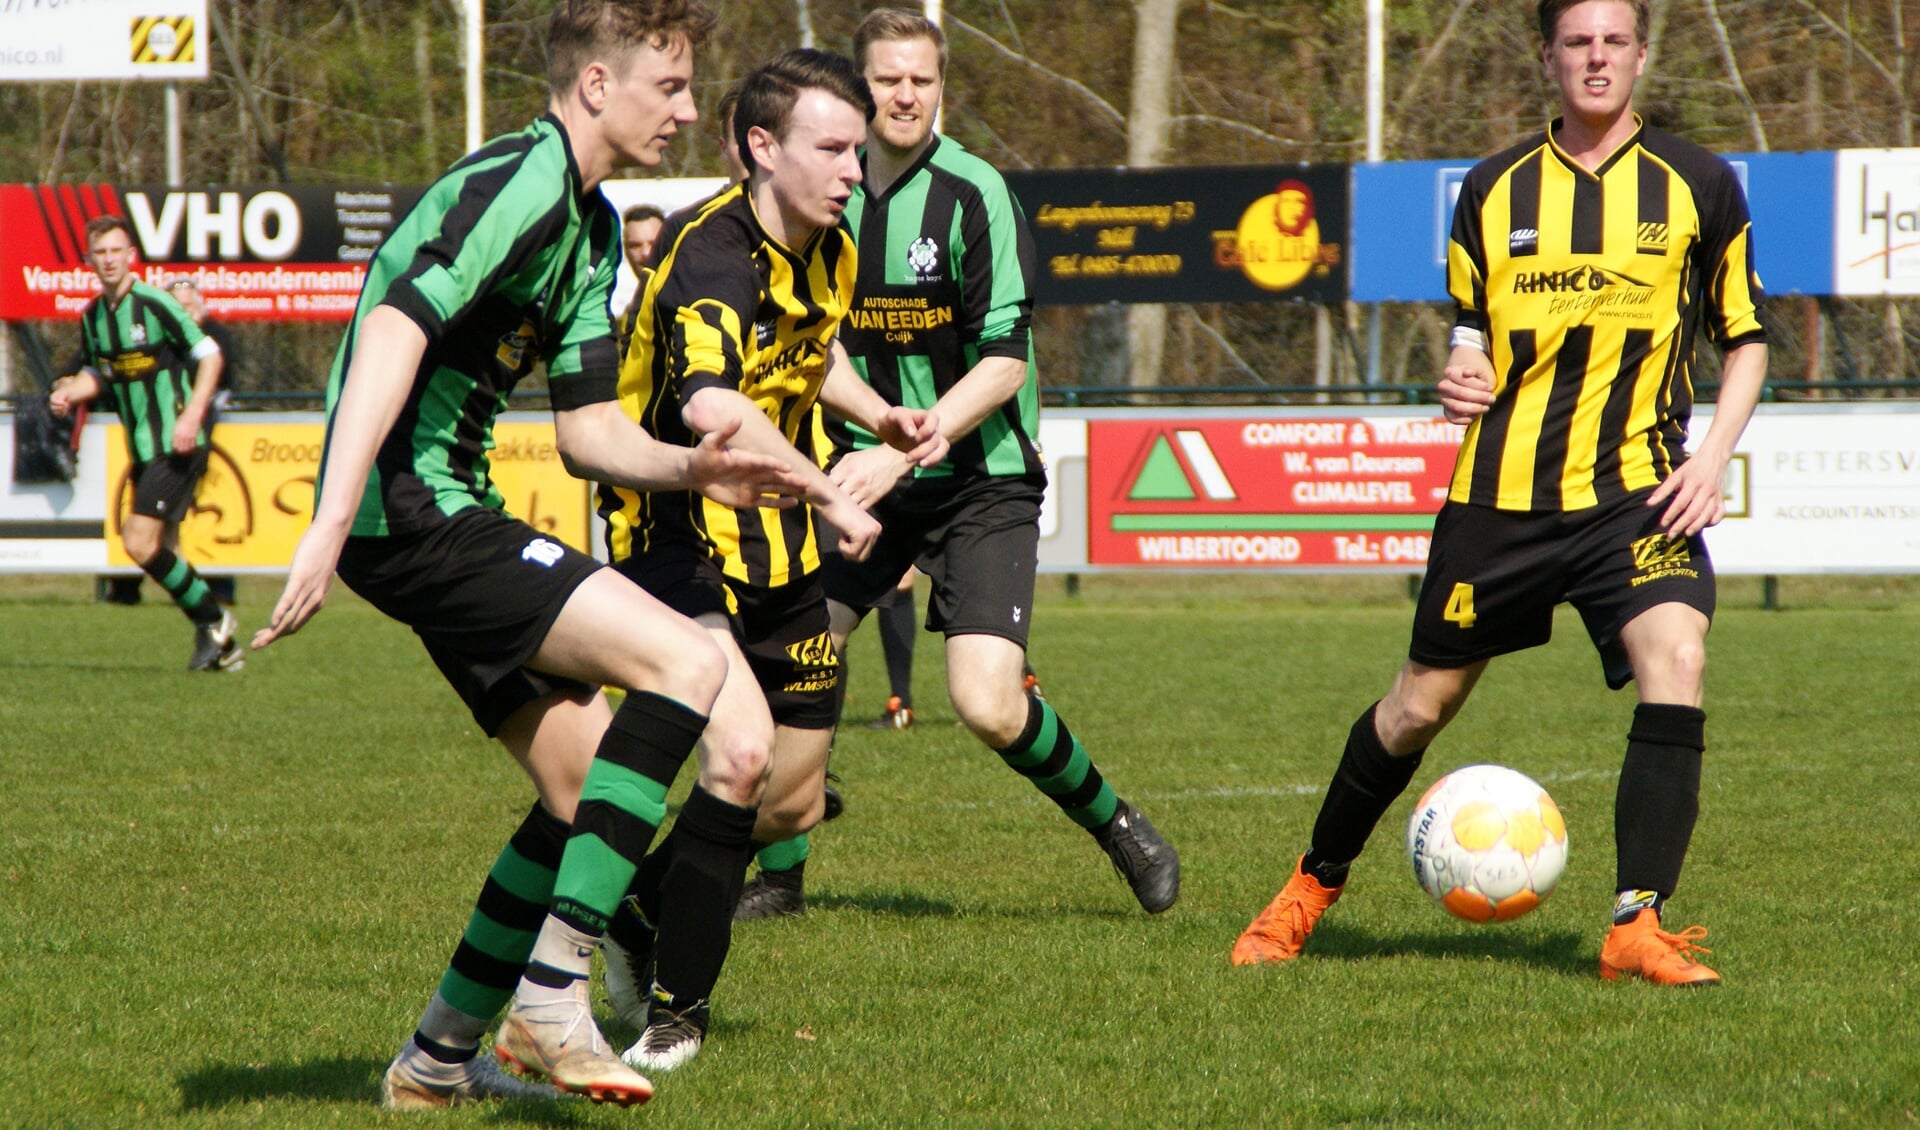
[
  {"x": 1653, "y": 239},
  {"x": 765, "y": 332},
  {"x": 138, "y": 336},
  {"x": 1523, "y": 241},
  {"x": 543, "y": 553},
  {"x": 923, "y": 255}
]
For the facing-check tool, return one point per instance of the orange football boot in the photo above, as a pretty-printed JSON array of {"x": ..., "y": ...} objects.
[
  {"x": 1282, "y": 928},
  {"x": 1643, "y": 949}
]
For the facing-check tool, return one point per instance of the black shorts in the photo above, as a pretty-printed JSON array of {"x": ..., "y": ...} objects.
[
  {"x": 1494, "y": 577},
  {"x": 164, "y": 488},
  {"x": 783, "y": 631},
  {"x": 481, "y": 591},
  {"x": 977, "y": 539}
]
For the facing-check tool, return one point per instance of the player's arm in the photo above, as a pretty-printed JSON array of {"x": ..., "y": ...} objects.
[
  {"x": 80, "y": 387},
  {"x": 909, "y": 438},
  {"x": 600, "y": 443},
  {"x": 1467, "y": 382},
  {"x": 387, "y": 350},
  {"x": 710, "y": 408},
  {"x": 210, "y": 363},
  {"x": 1693, "y": 494},
  {"x": 1730, "y": 313}
]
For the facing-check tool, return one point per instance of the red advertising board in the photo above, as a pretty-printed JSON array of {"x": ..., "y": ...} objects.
[
  {"x": 280, "y": 254},
  {"x": 1266, "y": 492}
]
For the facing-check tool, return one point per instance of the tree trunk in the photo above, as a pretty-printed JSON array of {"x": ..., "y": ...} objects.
[{"x": 1148, "y": 131}]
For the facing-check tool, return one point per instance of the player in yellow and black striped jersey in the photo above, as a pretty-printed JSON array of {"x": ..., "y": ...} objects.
[
  {"x": 736, "y": 332},
  {"x": 1585, "y": 262}
]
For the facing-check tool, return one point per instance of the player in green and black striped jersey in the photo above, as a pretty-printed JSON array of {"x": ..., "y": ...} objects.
[
  {"x": 942, "y": 321},
  {"x": 1584, "y": 262},
  {"x": 505, "y": 266},
  {"x": 737, "y": 328},
  {"x": 144, "y": 352}
]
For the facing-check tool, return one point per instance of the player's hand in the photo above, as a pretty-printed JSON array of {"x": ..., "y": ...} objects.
[
  {"x": 916, "y": 432},
  {"x": 60, "y": 400},
  {"x": 858, "y": 530},
  {"x": 186, "y": 433},
  {"x": 738, "y": 478},
  {"x": 870, "y": 473},
  {"x": 308, "y": 580},
  {"x": 1466, "y": 385},
  {"x": 1692, "y": 497}
]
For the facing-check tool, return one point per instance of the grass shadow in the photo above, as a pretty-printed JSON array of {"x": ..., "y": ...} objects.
[
  {"x": 91, "y": 667},
  {"x": 1563, "y": 951},
  {"x": 353, "y": 1080}
]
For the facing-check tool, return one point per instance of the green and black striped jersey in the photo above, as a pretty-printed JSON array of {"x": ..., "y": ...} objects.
[
  {"x": 1590, "y": 287},
  {"x": 145, "y": 349},
  {"x": 506, "y": 261},
  {"x": 728, "y": 306},
  {"x": 946, "y": 278}
]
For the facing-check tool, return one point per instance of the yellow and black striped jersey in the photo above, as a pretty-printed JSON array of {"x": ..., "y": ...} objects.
[
  {"x": 728, "y": 306},
  {"x": 1590, "y": 287}
]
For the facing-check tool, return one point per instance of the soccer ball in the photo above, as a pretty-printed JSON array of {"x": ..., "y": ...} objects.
[{"x": 1487, "y": 843}]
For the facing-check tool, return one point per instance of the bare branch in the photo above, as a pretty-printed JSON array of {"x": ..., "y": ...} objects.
[
  {"x": 1234, "y": 126},
  {"x": 1733, "y": 73},
  {"x": 1219, "y": 339},
  {"x": 1111, "y": 116},
  {"x": 1853, "y": 44}
]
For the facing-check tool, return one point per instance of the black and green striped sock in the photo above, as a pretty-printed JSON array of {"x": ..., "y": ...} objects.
[
  {"x": 499, "y": 936},
  {"x": 621, "y": 806},
  {"x": 177, "y": 576},
  {"x": 1048, "y": 754}
]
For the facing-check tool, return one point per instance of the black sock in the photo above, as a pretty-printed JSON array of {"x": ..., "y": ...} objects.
[
  {"x": 632, "y": 927},
  {"x": 1364, "y": 786},
  {"x": 698, "y": 895},
  {"x": 897, "y": 629},
  {"x": 1659, "y": 796}
]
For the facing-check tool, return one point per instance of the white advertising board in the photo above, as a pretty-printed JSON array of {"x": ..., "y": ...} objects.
[
  {"x": 1816, "y": 489},
  {"x": 1876, "y": 222},
  {"x": 69, "y": 40}
]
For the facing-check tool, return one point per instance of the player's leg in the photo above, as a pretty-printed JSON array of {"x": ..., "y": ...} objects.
[
  {"x": 899, "y": 629},
  {"x": 680, "y": 909},
  {"x": 795, "y": 803},
  {"x": 1658, "y": 798},
  {"x": 552, "y": 737},
  {"x": 1647, "y": 601},
  {"x": 151, "y": 536},
  {"x": 609, "y": 633}
]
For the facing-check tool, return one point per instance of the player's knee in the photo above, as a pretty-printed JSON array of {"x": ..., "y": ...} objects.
[
  {"x": 736, "y": 768},
  {"x": 996, "y": 719},
  {"x": 141, "y": 543},
  {"x": 784, "y": 817}
]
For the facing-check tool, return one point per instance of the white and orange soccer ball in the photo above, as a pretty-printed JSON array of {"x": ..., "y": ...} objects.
[{"x": 1487, "y": 843}]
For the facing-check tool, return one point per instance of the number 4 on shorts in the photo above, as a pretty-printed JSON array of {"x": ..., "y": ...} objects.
[{"x": 1460, "y": 605}]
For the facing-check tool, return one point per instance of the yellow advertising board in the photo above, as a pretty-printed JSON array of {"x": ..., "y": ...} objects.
[{"x": 257, "y": 495}]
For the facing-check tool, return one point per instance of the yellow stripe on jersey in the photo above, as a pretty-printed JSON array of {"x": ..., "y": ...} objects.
[{"x": 1590, "y": 287}]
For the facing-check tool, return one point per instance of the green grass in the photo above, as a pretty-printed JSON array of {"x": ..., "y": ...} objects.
[{"x": 223, "y": 900}]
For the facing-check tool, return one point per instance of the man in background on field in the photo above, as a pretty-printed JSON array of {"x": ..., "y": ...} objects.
[{"x": 161, "y": 372}]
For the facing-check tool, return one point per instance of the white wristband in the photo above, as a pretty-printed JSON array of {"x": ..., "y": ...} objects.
[{"x": 1468, "y": 336}]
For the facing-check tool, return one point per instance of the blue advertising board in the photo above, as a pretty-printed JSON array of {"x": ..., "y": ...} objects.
[{"x": 1403, "y": 210}]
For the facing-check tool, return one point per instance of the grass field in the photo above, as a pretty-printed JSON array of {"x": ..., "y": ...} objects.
[{"x": 223, "y": 900}]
